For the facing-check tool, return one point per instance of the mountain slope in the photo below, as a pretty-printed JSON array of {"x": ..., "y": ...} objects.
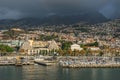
[{"x": 91, "y": 17}]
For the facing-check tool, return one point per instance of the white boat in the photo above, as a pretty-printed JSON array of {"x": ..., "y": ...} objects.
[{"x": 39, "y": 58}]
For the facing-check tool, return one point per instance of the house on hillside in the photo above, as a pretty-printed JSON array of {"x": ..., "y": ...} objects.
[{"x": 76, "y": 47}]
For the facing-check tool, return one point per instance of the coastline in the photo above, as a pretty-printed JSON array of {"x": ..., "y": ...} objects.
[
  {"x": 90, "y": 62},
  {"x": 63, "y": 61}
]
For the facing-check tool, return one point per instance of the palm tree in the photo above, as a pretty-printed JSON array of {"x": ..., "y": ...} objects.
[
  {"x": 101, "y": 53},
  {"x": 69, "y": 51},
  {"x": 40, "y": 52},
  {"x": 77, "y": 53},
  {"x": 82, "y": 52},
  {"x": 60, "y": 51}
]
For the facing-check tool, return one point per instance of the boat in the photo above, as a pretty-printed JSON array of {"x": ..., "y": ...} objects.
[{"x": 18, "y": 64}]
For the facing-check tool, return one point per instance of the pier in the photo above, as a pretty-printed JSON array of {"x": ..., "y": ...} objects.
[{"x": 45, "y": 63}]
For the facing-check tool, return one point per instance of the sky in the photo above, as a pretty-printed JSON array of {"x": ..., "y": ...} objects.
[{"x": 16, "y": 9}]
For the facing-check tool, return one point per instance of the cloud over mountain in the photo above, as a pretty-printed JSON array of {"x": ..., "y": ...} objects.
[{"x": 13, "y": 9}]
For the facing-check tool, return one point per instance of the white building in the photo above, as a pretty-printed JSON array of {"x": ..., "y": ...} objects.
[
  {"x": 76, "y": 47},
  {"x": 94, "y": 48}
]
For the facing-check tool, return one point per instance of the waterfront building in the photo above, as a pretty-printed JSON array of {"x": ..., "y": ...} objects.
[
  {"x": 40, "y": 44},
  {"x": 31, "y": 47},
  {"x": 76, "y": 47},
  {"x": 53, "y": 45},
  {"x": 25, "y": 47},
  {"x": 37, "y": 51}
]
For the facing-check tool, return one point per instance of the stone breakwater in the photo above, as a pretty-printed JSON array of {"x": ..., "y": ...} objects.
[
  {"x": 91, "y": 66},
  {"x": 90, "y": 62}
]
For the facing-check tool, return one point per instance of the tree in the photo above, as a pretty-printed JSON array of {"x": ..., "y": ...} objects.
[
  {"x": 40, "y": 52},
  {"x": 66, "y": 45},
  {"x": 82, "y": 52},
  {"x": 96, "y": 44},
  {"x": 60, "y": 51},
  {"x": 69, "y": 52},
  {"x": 5, "y": 49},
  {"x": 101, "y": 53}
]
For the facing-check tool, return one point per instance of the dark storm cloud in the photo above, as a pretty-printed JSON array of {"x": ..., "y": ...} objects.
[
  {"x": 38, "y": 8},
  {"x": 9, "y": 14},
  {"x": 111, "y": 9}
]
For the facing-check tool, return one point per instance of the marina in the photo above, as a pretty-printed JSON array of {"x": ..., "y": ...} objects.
[{"x": 65, "y": 62}]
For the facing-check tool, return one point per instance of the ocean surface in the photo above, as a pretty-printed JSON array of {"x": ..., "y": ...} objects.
[{"x": 37, "y": 72}]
